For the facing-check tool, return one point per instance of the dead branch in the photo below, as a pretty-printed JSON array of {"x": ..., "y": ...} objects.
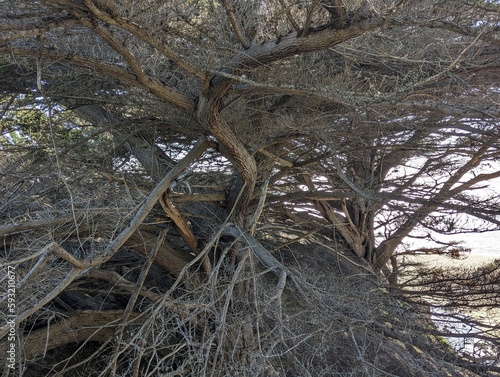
[{"x": 79, "y": 327}]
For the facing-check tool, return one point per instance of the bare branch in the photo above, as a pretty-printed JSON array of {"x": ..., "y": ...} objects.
[
  {"x": 140, "y": 33},
  {"x": 234, "y": 24}
]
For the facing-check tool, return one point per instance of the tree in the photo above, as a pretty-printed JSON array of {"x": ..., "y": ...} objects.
[{"x": 253, "y": 124}]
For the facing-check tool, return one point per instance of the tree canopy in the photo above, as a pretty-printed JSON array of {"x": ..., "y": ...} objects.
[{"x": 188, "y": 132}]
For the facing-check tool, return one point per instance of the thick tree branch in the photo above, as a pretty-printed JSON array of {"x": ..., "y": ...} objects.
[
  {"x": 79, "y": 327},
  {"x": 234, "y": 24},
  {"x": 209, "y": 115},
  {"x": 307, "y": 23},
  {"x": 140, "y": 33},
  {"x": 291, "y": 44},
  {"x": 162, "y": 91},
  {"x": 198, "y": 148},
  {"x": 289, "y": 16}
]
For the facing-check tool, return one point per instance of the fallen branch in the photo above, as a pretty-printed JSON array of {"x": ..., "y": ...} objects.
[
  {"x": 82, "y": 265},
  {"x": 266, "y": 258},
  {"x": 184, "y": 229},
  {"x": 61, "y": 286},
  {"x": 79, "y": 327},
  {"x": 200, "y": 146}
]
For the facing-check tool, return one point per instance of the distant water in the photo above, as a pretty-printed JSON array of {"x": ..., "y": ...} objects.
[
  {"x": 459, "y": 326},
  {"x": 487, "y": 243},
  {"x": 462, "y": 336},
  {"x": 479, "y": 243}
]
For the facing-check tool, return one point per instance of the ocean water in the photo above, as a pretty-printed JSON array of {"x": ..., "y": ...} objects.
[
  {"x": 459, "y": 326},
  {"x": 479, "y": 243},
  {"x": 462, "y": 339},
  {"x": 485, "y": 244}
]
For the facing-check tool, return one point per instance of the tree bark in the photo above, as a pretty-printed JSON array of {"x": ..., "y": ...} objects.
[{"x": 78, "y": 327}]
